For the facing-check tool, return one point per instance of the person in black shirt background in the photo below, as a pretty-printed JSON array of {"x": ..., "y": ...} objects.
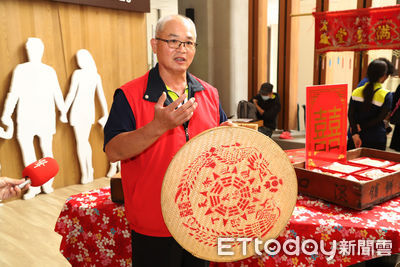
[{"x": 268, "y": 107}]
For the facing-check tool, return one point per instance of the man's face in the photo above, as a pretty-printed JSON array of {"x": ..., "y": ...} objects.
[{"x": 179, "y": 59}]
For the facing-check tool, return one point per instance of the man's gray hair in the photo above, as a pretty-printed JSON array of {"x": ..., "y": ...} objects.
[{"x": 161, "y": 22}]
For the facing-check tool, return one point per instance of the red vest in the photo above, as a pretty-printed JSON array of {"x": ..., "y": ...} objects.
[{"x": 142, "y": 176}]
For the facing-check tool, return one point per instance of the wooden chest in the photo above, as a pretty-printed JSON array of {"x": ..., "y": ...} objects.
[{"x": 353, "y": 194}]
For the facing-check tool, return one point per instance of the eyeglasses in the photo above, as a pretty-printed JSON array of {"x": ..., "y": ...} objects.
[{"x": 175, "y": 44}]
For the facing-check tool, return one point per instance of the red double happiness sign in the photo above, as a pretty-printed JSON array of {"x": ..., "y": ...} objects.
[
  {"x": 358, "y": 29},
  {"x": 326, "y": 124}
]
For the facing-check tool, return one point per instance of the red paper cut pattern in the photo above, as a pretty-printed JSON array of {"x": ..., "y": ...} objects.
[{"x": 235, "y": 183}]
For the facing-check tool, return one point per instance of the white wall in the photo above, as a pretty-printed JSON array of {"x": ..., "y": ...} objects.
[
  {"x": 273, "y": 20},
  {"x": 340, "y": 65},
  {"x": 200, "y": 66},
  {"x": 305, "y": 50},
  {"x": 157, "y": 8},
  {"x": 222, "y": 56},
  {"x": 238, "y": 84}
]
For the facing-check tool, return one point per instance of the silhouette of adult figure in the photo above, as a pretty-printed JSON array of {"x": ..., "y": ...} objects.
[
  {"x": 8, "y": 133},
  {"x": 84, "y": 83},
  {"x": 35, "y": 87}
]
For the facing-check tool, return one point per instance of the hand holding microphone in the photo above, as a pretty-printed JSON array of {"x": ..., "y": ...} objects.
[
  {"x": 9, "y": 187},
  {"x": 39, "y": 172}
]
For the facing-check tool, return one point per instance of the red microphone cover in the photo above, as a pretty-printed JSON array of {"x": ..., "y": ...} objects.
[{"x": 41, "y": 171}]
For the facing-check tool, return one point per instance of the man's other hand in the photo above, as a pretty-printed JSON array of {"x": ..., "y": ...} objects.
[
  {"x": 228, "y": 123},
  {"x": 172, "y": 116}
]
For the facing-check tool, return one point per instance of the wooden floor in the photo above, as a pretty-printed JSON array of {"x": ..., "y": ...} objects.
[{"x": 27, "y": 236}]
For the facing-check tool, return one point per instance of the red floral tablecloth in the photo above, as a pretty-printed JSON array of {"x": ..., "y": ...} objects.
[{"x": 95, "y": 233}]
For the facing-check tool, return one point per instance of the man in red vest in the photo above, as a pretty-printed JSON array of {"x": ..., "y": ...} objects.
[{"x": 151, "y": 118}]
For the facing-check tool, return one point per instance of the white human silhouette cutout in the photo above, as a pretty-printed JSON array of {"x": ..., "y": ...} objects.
[
  {"x": 8, "y": 133},
  {"x": 84, "y": 83},
  {"x": 35, "y": 87},
  {"x": 114, "y": 168}
]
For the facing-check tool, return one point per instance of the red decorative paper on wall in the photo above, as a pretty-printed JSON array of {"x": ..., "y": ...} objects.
[
  {"x": 326, "y": 124},
  {"x": 358, "y": 29}
]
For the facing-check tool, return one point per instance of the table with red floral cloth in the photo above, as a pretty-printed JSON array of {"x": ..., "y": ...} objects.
[{"x": 95, "y": 232}]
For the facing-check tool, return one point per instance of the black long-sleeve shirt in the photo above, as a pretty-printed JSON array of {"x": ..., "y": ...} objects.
[{"x": 271, "y": 107}]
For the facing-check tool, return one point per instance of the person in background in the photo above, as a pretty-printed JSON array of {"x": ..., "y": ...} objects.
[
  {"x": 9, "y": 187},
  {"x": 268, "y": 107},
  {"x": 389, "y": 71},
  {"x": 395, "y": 143},
  {"x": 151, "y": 118},
  {"x": 368, "y": 107}
]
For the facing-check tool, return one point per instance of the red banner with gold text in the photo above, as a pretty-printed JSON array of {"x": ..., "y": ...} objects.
[{"x": 358, "y": 29}]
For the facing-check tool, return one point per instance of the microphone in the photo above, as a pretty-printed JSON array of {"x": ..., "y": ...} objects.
[{"x": 39, "y": 172}]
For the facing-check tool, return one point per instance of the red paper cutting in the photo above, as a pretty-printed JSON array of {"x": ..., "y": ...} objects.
[{"x": 326, "y": 124}]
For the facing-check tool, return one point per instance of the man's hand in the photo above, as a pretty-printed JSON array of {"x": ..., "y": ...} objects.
[
  {"x": 228, "y": 123},
  {"x": 255, "y": 101},
  {"x": 171, "y": 116},
  {"x": 130, "y": 144}
]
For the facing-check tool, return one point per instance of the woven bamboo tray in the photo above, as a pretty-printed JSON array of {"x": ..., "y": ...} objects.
[{"x": 228, "y": 182}]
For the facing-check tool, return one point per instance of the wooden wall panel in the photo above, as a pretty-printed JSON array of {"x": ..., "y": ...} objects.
[
  {"x": 284, "y": 62},
  {"x": 117, "y": 42},
  {"x": 291, "y": 98},
  {"x": 258, "y": 46},
  {"x": 320, "y": 58}
]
